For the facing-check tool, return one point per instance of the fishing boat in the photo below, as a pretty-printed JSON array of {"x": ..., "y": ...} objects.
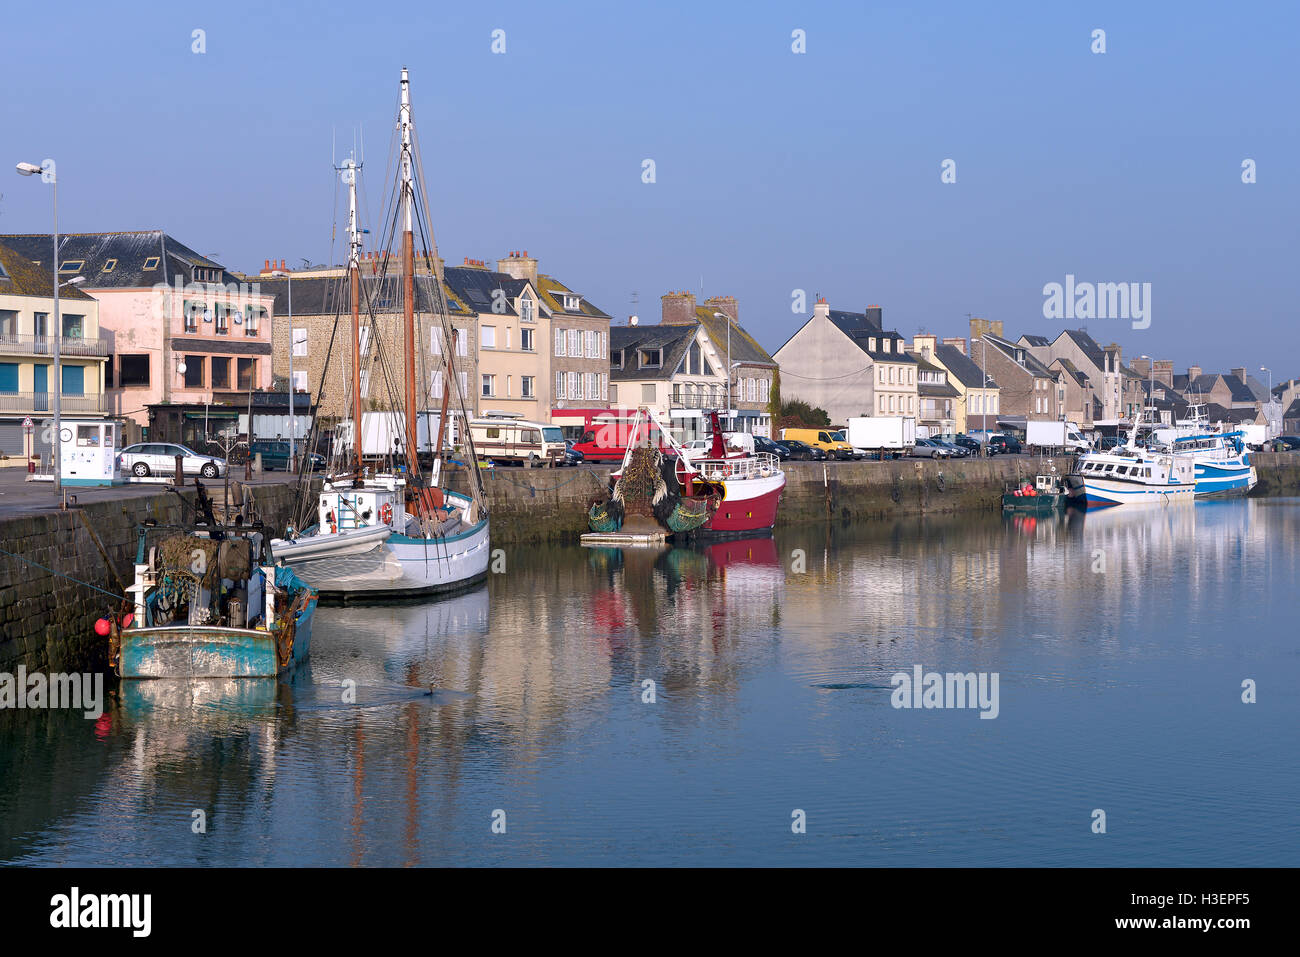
[
  {"x": 1045, "y": 495},
  {"x": 207, "y": 603},
  {"x": 724, "y": 492},
  {"x": 1223, "y": 466},
  {"x": 1132, "y": 473},
  {"x": 388, "y": 533}
]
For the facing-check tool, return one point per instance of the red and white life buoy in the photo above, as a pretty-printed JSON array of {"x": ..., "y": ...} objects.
[{"x": 386, "y": 513}]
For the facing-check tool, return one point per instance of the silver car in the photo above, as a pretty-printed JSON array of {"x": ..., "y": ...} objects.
[
  {"x": 930, "y": 450},
  {"x": 159, "y": 458}
]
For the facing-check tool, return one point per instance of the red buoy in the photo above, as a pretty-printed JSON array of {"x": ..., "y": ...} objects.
[{"x": 102, "y": 627}]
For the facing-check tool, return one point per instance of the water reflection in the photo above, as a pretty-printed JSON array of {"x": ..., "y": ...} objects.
[{"x": 771, "y": 661}]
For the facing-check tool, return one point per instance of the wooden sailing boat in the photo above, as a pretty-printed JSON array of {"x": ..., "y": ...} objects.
[{"x": 396, "y": 533}]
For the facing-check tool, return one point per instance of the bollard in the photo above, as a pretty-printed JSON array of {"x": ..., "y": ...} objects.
[{"x": 180, "y": 470}]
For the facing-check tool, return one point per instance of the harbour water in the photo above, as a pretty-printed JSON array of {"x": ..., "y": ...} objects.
[{"x": 1120, "y": 641}]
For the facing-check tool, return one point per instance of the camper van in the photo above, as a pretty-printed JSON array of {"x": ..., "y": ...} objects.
[{"x": 508, "y": 437}]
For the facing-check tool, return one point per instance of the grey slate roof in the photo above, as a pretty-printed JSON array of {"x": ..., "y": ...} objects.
[
  {"x": 1036, "y": 340},
  {"x": 1088, "y": 345},
  {"x": 1009, "y": 349},
  {"x": 131, "y": 250},
  {"x": 476, "y": 287},
  {"x": 328, "y": 295},
  {"x": 963, "y": 367},
  {"x": 19, "y": 276},
  {"x": 674, "y": 340}
]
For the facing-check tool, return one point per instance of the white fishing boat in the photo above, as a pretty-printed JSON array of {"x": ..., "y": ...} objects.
[
  {"x": 380, "y": 534},
  {"x": 1223, "y": 464},
  {"x": 1132, "y": 473}
]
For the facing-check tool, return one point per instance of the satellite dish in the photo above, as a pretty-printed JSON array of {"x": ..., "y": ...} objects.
[{"x": 632, "y": 320}]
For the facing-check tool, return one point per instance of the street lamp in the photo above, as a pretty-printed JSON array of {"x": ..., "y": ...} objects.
[
  {"x": 31, "y": 169},
  {"x": 727, "y": 319},
  {"x": 280, "y": 274}
]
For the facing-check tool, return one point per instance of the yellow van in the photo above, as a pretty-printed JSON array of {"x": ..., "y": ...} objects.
[{"x": 827, "y": 440}]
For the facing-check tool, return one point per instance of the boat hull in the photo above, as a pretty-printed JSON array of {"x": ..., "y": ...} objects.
[
  {"x": 201, "y": 651},
  {"x": 748, "y": 505},
  {"x": 1224, "y": 478},
  {"x": 1101, "y": 493},
  {"x": 1043, "y": 503}
]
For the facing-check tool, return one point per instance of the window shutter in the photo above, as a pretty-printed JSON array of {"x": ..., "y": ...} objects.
[{"x": 559, "y": 342}]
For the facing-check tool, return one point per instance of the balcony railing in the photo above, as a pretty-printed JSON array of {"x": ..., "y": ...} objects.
[
  {"x": 13, "y": 344},
  {"x": 44, "y": 402}
]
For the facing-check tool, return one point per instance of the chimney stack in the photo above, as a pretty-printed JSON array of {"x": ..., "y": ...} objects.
[
  {"x": 822, "y": 308},
  {"x": 1193, "y": 373},
  {"x": 518, "y": 266},
  {"x": 982, "y": 327},
  {"x": 1165, "y": 372},
  {"x": 958, "y": 342},
  {"x": 266, "y": 265},
  {"x": 677, "y": 308},
  {"x": 724, "y": 304},
  {"x": 1240, "y": 373},
  {"x": 875, "y": 316}
]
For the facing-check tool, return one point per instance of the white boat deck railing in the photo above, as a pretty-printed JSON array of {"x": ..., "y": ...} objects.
[{"x": 758, "y": 465}]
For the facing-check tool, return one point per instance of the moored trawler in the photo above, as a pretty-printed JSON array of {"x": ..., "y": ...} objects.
[
  {"x": 726, "y": 492},
  {"x": 1132, "y": 474}
]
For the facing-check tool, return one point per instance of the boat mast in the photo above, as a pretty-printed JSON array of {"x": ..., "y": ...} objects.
[
  {"x": 408, "y": 271},
  {"x": 354, "y": 272}
]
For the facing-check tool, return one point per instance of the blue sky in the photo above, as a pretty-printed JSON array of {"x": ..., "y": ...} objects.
[{"x": 774, "y": 171}]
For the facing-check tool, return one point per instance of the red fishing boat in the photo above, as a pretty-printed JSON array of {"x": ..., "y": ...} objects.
[{"x": 721, "y": 492}]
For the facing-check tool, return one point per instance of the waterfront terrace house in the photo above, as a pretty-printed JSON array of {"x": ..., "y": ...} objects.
[
  {"x": 727, "y": 341},
  {"x": 670, "y": 369},
  {"x": 179, "y": 327},
  {"x": 977, "y": 403},
  {"x": 322, "y": 355},
  {"x": 1102, "y": 369},
  {"x": 848, "y": 364},
  {"x": 26, "y": 364},
  {"x": 1028, "y": 388},
  {"x": 937, "y": 399}
]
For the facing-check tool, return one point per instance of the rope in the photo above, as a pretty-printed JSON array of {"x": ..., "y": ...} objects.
[{"x": 61, "y": 575}]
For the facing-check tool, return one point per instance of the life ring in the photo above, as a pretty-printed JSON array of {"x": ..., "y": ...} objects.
[{"x": 386, "y": 513}]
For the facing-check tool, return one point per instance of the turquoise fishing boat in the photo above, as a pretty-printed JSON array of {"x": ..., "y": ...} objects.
[{"x": 207, "y": 603}]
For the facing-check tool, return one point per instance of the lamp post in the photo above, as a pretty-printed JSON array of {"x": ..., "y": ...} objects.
[
  {"x": 727, "y": 319},
  {"x": 31, "y": 169},
  {"x": 293, "y": 466}
]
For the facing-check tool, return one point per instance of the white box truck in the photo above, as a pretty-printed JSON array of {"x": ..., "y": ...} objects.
[
  {"x": 1055, "y": 435},
  {"x": 883, "y": 435},
  {"x": 380, "y": 431}
]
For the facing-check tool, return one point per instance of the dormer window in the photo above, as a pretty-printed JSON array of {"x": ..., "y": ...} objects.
[
  {"x": 572, "y": 303},
  {"x": 885, "y": 344},
  {"x": 616, "y": 359},
  {"x": 525, "y": 309},
  {"x": 871, "y": 343},
  {"x": 651, "y": 358}
]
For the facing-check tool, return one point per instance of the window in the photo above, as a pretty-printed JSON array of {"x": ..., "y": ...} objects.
[
  {"x": 526, "y": 387},
  {"x": 559, "y": 342},
  {"x": 191, "y": 310},
  {"x": 885, "y": 343},
  {"x": 575, "y": 386},
  {"x": 133, "y": 370},
  {"x": 365, "y": 383},
  {"x": 893, "y": 375},
  {"x": 150, "y": 264},
  {"x": 253, "y": 319},
  {"x": 74, "y": 380},
  {"x": 487, "y": 337},
  {"x": 616, "y": 359},
  {"x": 593, "y": 351},
  {"x": 648, "y": 393},
  {"x": 651, "y": 358},
  {"x": 246, "y": 371},
  {"x": 9, "y": 376},
  {"x": 73, "y": 326},
  {"x": 299, "y": 381},
  {"x": 613, "y": 394},
  {"x": 223, "y": 320},
  {"x": 575, "y": 342},
  {"x": 462, "y": 342},
  {"x": 365, "y": 341},
  {"x": 593, "y": 382},
  {"x": 526, "y": 340},
  {"x": 435, "y": 384},
  {"x": 464, "y": 382},
  {"x": 8, "y": 322},
  {"x": 220, "y": 372},
  {"x": 193, "y": 372},
  {"x": 489, "y": 386},
  {"x": 571, "y": 303},
  {"x": 525, "y": 309},
  {"x": 88, "y": 436},
  {"x": 110, "y": 265},
  {"x": 299, "y": 342},
  {"x": 559, "y": 386},
  {"x": 435, "y": 341},
  {"x": 108, "y": 373},
  {"x": 604, "y": 386},
  {"x": 71, "y": 267}
]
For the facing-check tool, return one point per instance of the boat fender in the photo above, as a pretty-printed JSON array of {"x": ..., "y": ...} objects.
[
  {"x": 941, "y": 482},
  {"x": 386, "y": 513}
]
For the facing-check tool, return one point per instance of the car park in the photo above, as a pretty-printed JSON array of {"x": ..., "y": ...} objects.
[
  {"x": 1287, "y": 443},
  {"x": 1000, "y": 444},
  {"x": 956, "y": 451},
  {"x": 275, "y": 455},
  {"x": 159, "y": 458},
  {"x": 764, "y": 444}
]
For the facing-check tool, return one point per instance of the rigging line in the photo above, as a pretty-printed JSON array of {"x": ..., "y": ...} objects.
[{"x": 62, "y": 575}]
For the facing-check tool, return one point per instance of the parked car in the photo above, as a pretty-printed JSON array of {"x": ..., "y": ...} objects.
[
  {"x": 1287, "y": 443},
  {"x": 803, "y": 451},
  {"x": 764, "y": 444},
  {"x": 572, "y": 456},
  {"x": 971, "y": 445},
  {"x": 955, "y": 450},
  {"x": 1004, "y": 445},
  {"x": 929, "y": 449},
  {"x": 159, "y": 458},
  {"x": 275, "y": 454}
]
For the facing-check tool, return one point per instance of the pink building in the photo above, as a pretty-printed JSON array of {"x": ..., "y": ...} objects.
[{"x": 180, "y": 327}]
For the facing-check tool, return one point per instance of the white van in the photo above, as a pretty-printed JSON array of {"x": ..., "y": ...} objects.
[{"x": 508, "y": 437}]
